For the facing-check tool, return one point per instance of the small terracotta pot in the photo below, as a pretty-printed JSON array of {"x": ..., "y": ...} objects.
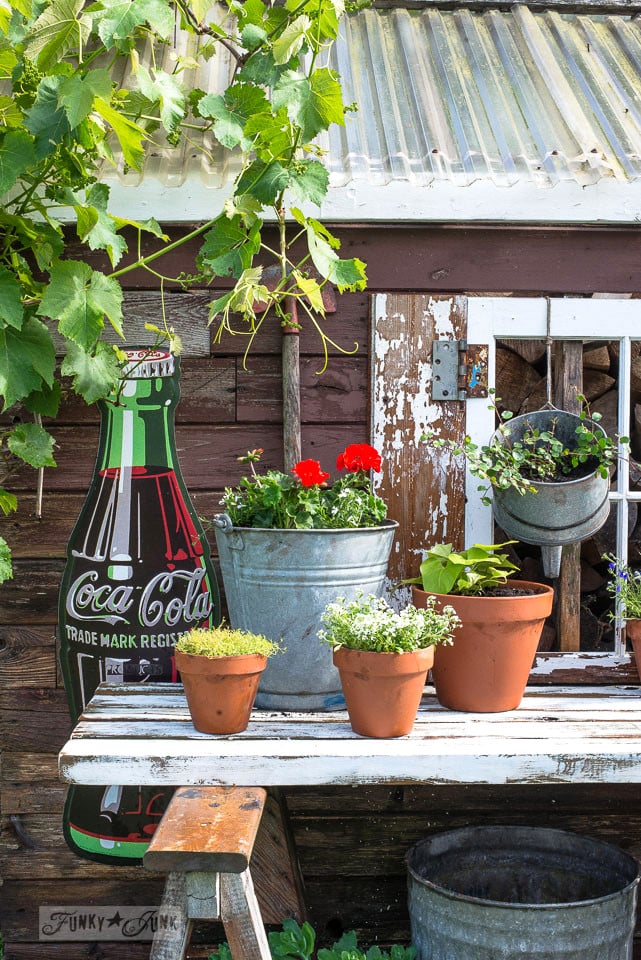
[
  {"x": 633, "y": 631},
  {"x": 382, "y": 690},
  {"x": 220, "y": 691},
  {"x": 487, "y": 667}
]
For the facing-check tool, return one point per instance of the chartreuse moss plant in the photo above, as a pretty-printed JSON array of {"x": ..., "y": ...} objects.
[
  {"x": 298, "y": 943},
  {"x": 224, "y": 641}
]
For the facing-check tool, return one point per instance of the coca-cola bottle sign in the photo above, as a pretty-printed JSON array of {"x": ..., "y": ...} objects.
[{"x": 138, "y": 575}]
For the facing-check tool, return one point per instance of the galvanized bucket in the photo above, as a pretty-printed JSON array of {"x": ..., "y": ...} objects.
[
  {"x": 501, "y": 893},
  {"x": 278, "y": 582},
  {"x": 559, "y": 512}
]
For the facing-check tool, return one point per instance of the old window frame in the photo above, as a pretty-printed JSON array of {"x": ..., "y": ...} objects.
[{"x": 492, "y": 318}]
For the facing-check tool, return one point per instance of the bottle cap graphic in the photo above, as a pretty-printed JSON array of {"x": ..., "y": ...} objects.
[{"x": 144, "y": 363}]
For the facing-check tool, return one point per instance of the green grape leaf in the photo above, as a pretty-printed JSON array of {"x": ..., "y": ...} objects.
[
  {"x": 45, "y": 401},
  {"x": 33, "y": 444},
  {"x": 130, "y": 135},
  {"x": 346, "y": 274},
  {"x": 94, "y": 375},
  {"x": 10, "y": 115},
  {"x": 252, "y": 35},
  {"x": 8, "y": 62},
  {"x": 60, "y": 28},
  {"x": 46, "y": 120},
  {"x": 6, "y": 570},
  {"x": 8, "y": 501},
  {"x": 263, "y": 180},
  {"x": 118, "y": 19},
  {"x": 17, "y": 154},
  {"x": 27, "y": 357},
  {"x": 309, "y": 180},
  {"x": 229, "y": 247},
  {"x": 288, "y": 44},
  {"x": 312, "y": 291},
  {"x": 231, "y": 112},
  {"x": 79, "y": 298},
  {"x": 76, "y": 94},
  {"x": 97, "y": 228},
  {"x": 165, "y": 90},
  {"x": 313, "y": 103},
  {"x": 11, "y": 309},
  {"x": 148, "y": 226}
]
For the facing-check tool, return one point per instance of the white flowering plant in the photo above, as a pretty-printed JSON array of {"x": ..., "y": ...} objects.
[{"x": 369, "y": 623}]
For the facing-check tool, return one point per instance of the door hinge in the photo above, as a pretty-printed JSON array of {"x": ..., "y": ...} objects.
[{"x": 459, "y": 370}]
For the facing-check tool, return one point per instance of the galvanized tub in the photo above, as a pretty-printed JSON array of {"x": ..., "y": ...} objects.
[
  {"x": 278, "y": 582},
  {"x": 501, "y": 893},
  {"x": 560, "y": 512}
]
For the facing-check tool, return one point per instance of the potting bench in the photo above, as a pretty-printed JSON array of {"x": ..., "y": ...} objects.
[{"x": 142, "y": 734}]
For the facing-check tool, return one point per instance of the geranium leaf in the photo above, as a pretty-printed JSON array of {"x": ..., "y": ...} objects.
[
  {"x": 27, "y": 358},
  {"x": 33, "y": 444},
  {"x": 94, "y": 374}
]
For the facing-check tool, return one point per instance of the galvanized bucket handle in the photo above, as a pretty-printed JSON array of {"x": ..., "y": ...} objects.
[{"x": 225, "y": 525}]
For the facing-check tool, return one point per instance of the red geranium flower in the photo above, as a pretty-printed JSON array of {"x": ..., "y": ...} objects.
[
  {"x": 309, "y": 473},
  {"x": 359, "y": 456}
]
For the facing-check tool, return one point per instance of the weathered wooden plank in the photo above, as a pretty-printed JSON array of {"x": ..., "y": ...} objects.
[
  {"x": 78, "y": 951},
  {"x": 32, "y": 596},
  {"x": 423, "y": 485},
  {"x": 339, "y": 394},
  {"x": 208, "y": 456},
  {"x": 23, "y": 727},
  {"x": 27, "y": 658}
]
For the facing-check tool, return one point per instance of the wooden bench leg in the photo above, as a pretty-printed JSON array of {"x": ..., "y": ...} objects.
[
  {"x": 241, "y": 917},
  {"x": 171, "y": 942}
]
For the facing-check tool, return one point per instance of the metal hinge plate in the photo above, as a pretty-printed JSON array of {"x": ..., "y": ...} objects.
[{"x": 459, "y": 370}]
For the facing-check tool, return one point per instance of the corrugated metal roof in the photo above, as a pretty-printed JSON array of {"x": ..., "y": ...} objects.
[
  {"x": 459, "y": 98},
  {"x": 461, "y": 95}
]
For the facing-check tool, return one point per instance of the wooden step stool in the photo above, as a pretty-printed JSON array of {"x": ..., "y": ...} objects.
[{"x": 204, "y": 843}]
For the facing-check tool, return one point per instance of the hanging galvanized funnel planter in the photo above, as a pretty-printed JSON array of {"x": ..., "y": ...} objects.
[{"x": 560, "y": 511}]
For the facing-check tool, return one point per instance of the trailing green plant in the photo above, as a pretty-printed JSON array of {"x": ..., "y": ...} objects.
[
  {"x": 223, "y": 641},
  {"x": 624, "y": 585},
  {"x": 538, "y": 455},
  {"x": 296, "y": 942},
  {"x": 63, "y": 116},
  {"x": 303, "y": 499},
  {"x": 369, "y": 623},
  {"x": 472, "y": 572}
]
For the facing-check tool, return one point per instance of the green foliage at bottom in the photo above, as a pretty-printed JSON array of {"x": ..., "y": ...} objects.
[{"x": 296, "y": 942}]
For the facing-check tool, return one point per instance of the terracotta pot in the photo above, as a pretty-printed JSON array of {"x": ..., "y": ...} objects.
[
  {"x": 382, "y": 690},
  {"x": 220, "y": 691},
  {"x": 633, "y": 631},
  {"x": 487, "y": 667}
]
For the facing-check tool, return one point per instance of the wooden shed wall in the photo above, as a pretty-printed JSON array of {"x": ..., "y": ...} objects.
[{"x": 351, "y": 843}]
